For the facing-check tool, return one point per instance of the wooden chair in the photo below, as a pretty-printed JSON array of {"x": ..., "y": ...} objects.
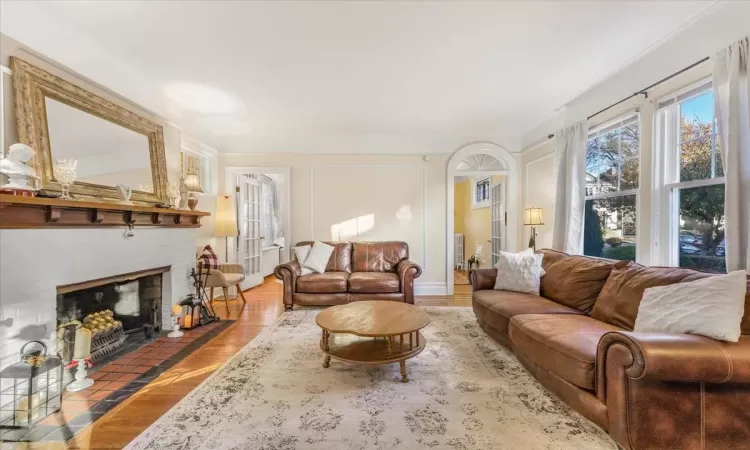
[{"x": 226, "y": 276}]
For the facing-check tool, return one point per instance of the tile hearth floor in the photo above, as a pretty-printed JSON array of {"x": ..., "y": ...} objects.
[{"x": 114, "y": 382}]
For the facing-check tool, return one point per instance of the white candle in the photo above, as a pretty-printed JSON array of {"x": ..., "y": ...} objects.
[{"x": 82, "y": 348}]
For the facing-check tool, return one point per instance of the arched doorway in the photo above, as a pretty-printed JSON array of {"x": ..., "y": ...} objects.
[{"x": 481, "y": 159}]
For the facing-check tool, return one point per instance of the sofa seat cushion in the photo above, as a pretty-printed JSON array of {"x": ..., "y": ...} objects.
[
  {"x": 374, "y": 282},
  {"x": 564, "y": 344},
  {"x": 323, "y": 283},
  {"x": 496, "y": 308}
]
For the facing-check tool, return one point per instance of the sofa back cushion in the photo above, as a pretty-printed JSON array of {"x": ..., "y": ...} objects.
[
  {"x": 341, "y": 258},
  {"x": 621, "y": 296},
  {"x": 572, "y": 280},
  {"x": 378, "y": 256}
]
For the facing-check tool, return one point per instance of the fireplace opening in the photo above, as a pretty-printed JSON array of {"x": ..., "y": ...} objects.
[{"x": 101, "y": 315}]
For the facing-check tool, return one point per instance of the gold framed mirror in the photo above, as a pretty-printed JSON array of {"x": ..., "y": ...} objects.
[{"x": 112, "y": 144}]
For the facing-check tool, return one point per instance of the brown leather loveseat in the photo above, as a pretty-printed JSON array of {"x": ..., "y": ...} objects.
[
  {"x": 647, "y": 390},
  {"x": 355, "y": 271}
]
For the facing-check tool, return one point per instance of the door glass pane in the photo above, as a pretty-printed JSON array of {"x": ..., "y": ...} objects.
[
  {"x": 701, "y": 228},
  {"x": 609, "y": 228}
]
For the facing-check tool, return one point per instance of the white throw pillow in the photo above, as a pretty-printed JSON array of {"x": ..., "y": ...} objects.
[
  {"x": 711, "y": 307},
  {"x": 301, "y": 253},
  {"x": 317, "y": 259},
  {"x": 539, "y": 257},
  {"x": 518, "y": 272}
]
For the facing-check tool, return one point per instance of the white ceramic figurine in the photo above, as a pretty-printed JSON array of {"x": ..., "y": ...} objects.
[{"x": 21, "y": 176}]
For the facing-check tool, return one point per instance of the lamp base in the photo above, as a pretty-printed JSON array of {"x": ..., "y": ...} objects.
[{"x": 532, "y": 239}]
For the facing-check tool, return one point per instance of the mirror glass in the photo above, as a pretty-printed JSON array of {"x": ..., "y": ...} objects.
[{"x": 108, "y": 154}]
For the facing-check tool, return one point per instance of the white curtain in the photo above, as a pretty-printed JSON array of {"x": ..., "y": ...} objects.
[
  {"x": 732, "y": 103},
  {"x": 570, "y": 148},
  {"x": 273, "y": 229}
]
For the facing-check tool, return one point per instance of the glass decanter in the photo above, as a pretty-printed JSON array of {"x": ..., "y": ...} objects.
[{"x": 173, "y": 191}]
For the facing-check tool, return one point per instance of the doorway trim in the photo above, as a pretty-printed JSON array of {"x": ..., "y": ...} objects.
[
  {"x": 229, "y": 181},
  {"x": 502, "y": 155}
]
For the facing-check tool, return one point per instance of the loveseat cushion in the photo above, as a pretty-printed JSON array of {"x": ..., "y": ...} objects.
[
  {"x": 378, "y": 256},
  {"x": 341, "y": 258},
  {"x": 621, "y": 296},
  {"x": 374, "y": 282},
  {"x": 323, "y": 283},
  {"x": 574, "y": 280},
  {"x": 564, "y": 344},
  {"x": 496, "y": 308}
]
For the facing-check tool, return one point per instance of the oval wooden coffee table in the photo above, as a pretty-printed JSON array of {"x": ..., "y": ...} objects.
[{"x": 372, "y": 332}]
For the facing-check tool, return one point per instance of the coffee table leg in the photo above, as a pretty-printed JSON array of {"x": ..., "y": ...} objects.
[
  {"x": 404, "y": 378},
  {"x": 327, "y": 362}
]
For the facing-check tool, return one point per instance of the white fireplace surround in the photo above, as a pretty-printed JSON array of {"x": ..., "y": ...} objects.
[{"x": 33, "y": 262}]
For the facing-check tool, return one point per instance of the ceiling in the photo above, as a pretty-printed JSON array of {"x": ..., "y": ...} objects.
[{"x": 391, "y": 77}]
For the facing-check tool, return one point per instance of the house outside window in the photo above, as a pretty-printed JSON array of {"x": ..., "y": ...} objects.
[
  {"x": 691, "y": 215},
  {"x": 612, "y": 178},
  {"x": 480, "y": 190}
]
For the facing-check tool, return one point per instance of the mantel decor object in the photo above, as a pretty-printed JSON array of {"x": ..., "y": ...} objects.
[
  {"x": 533, "y": 217},
  {"x": 21, "y": 176},
  {"x": 173, "y": 191},
  {"x": 64, "y": 171},
  {"x": 123, "y": 193},
  {"x": 35, "y": 387},
  {"x": 193, "y": 184},
  {"x": 176, "y": 314}
]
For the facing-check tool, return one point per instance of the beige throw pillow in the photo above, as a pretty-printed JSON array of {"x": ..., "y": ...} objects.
[
  {"x": 301, "y": 253},
  {"x": 711, "y": 307},
  {"x": 317, "y": 259}
]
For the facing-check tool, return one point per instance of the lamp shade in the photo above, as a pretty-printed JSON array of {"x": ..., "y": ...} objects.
[
  {"x": 193, "y": 183},
  {"x": 226, "y": 222},
  {"x": 533, "y": 216}
]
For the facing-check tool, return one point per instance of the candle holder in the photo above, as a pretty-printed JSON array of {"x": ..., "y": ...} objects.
[
  {"x": 176, "y": 314},
  {"x": 81, "y": 381}
]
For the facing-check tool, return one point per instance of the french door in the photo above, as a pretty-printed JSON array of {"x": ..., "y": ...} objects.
[
  {"x": 497, "y": 221},
  {"x": 249, "y": 209}
]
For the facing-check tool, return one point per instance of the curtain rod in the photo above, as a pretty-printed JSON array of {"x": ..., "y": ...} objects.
[{"x": 645, "y": 90}]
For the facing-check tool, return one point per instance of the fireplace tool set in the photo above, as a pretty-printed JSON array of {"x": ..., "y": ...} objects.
[{"x": 197, "y": 308}]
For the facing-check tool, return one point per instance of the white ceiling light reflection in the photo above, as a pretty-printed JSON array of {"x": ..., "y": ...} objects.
[
  {"x": 224, "y": 126},
  {"x": 202, "y": 99}
]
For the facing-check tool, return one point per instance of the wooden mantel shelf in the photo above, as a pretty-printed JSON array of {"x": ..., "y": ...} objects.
[{"x": 36, "y": 212}]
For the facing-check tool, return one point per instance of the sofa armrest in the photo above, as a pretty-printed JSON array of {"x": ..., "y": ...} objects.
[
  {"x": 407, "y": 271},
  {"x": 482, "y": 279},
  {"x": 288, "y": 273},
  {"x": 681, "y": 357},
  {"x": 231, "y": 268}
]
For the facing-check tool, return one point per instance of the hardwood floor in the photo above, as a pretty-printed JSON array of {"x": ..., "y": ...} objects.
[{"x": 264, "y": 306}]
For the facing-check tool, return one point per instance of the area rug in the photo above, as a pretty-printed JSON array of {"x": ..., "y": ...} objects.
[{"x": 466, "y": 392}]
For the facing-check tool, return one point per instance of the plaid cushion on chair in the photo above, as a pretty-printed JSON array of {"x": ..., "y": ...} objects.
[{"x": 208, "y": 258}]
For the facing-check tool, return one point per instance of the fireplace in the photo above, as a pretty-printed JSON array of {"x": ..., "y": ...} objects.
[{"x": 114, "y": 309}]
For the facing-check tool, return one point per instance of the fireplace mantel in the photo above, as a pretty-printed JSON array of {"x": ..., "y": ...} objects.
[{"x": 36, "y": 212}]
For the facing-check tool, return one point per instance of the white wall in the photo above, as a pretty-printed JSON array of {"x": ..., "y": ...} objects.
[
  {"x": 328, "y": 189},
  {"x": 539, "y": 189}
]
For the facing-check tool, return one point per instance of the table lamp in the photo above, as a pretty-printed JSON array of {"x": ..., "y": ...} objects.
[
  {"x": 226, "y": 221},
  {"x": 533, "y": 217},
  {"x": 193, "y": 184}
]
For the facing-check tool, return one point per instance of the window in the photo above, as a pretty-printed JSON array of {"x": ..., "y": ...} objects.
[
  {"x": 481, "y": 193},
  {"x": 612, "y": 177},
  {"x": 693, "y": 183}
]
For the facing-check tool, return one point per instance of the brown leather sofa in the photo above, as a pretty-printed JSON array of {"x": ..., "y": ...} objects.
[
  {"x": 356, "y": 271},
  {"x": 647, "y": 390}
]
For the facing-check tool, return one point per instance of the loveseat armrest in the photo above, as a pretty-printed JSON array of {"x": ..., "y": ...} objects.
[
  {"x": 288, "y": 273},
  {"x": 482, "y": 279},
  {"x": 680, "y": 357},
  {"x": 407, "y": 271}
]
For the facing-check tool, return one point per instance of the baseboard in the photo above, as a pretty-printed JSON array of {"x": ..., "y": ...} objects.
[{"x": 430, "y": 289}]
